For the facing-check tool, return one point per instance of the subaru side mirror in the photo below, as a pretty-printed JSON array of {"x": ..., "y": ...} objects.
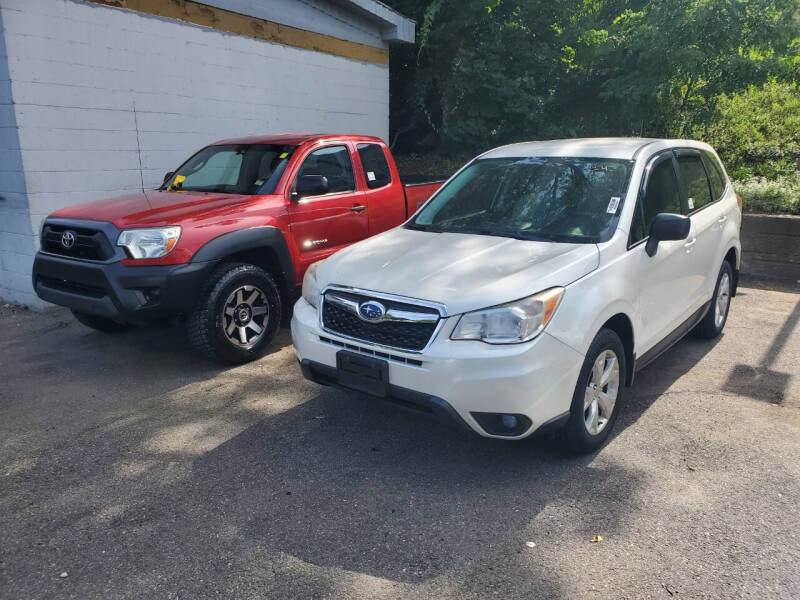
[
  {"x": 310, "y": 185},
  {"x": 667, "y": 226}
]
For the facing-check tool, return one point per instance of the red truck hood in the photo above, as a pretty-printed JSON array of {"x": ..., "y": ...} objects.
[{"x": 156, "y": 208}]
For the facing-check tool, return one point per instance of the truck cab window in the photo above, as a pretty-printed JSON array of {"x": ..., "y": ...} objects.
[
  {"x": 333, "y": 163},
  {"x": 376, "y": 168}
]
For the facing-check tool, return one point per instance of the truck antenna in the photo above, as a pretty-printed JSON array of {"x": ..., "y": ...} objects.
[{"x": 138, "y": 146}]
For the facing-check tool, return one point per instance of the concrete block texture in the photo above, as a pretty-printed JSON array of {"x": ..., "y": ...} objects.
[
  {"x": 771, "y": 247},
  {"x": 16, "y": 234},
  {"x": 89, "y": 93}
]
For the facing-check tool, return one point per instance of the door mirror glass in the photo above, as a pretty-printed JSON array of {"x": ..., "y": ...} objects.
[
  {"x": 310, "y": 185},
  {"x": 667, "y": 226}
]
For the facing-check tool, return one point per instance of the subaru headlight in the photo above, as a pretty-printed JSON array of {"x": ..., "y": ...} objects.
[
  {"x": 511, "y": 323},
  {"x": 149, "y": 243},
  {"x": 310, "y": 287}
]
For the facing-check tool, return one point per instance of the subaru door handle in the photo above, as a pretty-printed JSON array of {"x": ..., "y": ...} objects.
[
  {"x": 688, "y": 245},
  {"x": 722, "y": 219},
  {"x": 358, "y": 208}
]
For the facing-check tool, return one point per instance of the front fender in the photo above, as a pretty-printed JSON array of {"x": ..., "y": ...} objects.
[
  {"x": 250, "y": 239},
  {"x": 585, "y": 308}
]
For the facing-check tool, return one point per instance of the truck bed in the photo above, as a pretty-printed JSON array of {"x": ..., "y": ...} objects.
[{"x": 418, "y": 188}]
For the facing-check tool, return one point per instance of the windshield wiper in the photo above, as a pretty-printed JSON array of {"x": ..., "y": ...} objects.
[
  {"x": 543, "y": 236},
  {"x": 430, "y": 228}
]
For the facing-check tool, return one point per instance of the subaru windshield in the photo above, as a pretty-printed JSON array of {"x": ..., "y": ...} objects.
[
  {"x": 560, "y": 199},
  {"x": 232, "y": 169}
]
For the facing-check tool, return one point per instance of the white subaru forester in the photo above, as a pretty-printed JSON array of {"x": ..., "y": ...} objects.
[{"x": 522, "y": 297}]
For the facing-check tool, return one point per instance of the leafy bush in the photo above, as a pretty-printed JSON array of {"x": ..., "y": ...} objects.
[
  {"x": 435, "y": 164},
  {"x": 761, "y": 195},
  {"x": 757, "y": 131}
]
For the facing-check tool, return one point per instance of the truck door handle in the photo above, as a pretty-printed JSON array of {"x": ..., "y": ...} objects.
[
  {"x": 358, "y": 208},
  {"x": 722, "y": 219}
]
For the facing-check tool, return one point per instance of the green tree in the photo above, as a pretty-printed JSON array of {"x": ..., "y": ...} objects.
[
  {"x": 486, "y": 72},
  {"x": 757, "y": 131}
]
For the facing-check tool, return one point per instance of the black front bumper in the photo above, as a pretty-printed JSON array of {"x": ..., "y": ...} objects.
[
  {"x": 117, "y": 291},
  {"x": 398, "y": 396}
]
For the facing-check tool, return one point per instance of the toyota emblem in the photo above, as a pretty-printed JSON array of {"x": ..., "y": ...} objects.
[{"x": 68, "y": 239}]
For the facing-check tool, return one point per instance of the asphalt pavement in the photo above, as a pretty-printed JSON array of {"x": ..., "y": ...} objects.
[{"x": 129, "y": 468}]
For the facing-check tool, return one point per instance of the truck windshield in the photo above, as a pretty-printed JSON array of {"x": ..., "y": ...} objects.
[
  {"x": 232, "y": 169},
  {"x": 560, "y": 199}
]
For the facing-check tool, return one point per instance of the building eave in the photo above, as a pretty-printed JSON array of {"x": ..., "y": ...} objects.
[{"x": 395, "y": 27}]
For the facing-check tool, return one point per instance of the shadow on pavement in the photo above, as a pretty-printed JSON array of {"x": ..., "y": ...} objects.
[
  {"x": 203, "y": 485},
  {"x": 760, "y": 381}
]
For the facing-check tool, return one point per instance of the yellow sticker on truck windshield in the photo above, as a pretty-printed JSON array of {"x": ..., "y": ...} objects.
[
  {"x": 283, "y": 155},
  {"x": 177, "y": 182}
]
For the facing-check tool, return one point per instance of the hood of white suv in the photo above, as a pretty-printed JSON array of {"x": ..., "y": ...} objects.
[{"x": 462, "y": 271}]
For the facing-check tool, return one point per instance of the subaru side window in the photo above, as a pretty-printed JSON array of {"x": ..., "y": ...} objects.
[
  {"x": 376, "y": 168},
  {"x": 333, "y": 163},
  {"x": 698, "y": 189},
  {"x": 662, "y": 195},
  {"x": 716, "y": 174}
]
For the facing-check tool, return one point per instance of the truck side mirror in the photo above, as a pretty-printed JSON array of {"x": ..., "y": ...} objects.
[
  {"x": 310, "y": 185},
  {"x": 667, "y": 226}
]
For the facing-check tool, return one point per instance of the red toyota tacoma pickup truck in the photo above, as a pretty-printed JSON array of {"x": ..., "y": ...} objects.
[{"x": 226, "y": 240}]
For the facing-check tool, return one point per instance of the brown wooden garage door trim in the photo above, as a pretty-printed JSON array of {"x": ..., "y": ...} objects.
[{"x": 231, "y": 22}]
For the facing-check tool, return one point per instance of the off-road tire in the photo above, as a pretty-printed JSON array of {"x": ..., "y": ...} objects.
[{"x": 205, "y": 324}]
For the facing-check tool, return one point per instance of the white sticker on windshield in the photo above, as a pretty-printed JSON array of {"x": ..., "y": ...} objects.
[
  {"x": 613, "y": 205},
  {"x": 691, "y": 203},
  {"x": 371, "y": 175}
]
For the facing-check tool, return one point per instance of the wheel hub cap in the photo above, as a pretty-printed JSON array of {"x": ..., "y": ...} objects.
[
  {"x": 722, "y": 300},
  {"x": 245, "y": 315},
  {"x": 601, "y": 393}
]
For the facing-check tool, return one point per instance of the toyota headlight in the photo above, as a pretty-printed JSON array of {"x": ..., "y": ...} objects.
[
  {"x": 512, "y": 323},
  {"x": 310, "y": 287},
  {"x": 149, "y": 243}
]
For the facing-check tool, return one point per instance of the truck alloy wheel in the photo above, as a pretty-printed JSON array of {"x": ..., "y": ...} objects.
[
  {"x": 237, "y": 316},
  {"x": 245, "y": 316}
]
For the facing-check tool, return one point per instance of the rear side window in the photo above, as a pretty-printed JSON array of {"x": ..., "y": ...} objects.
[
  {"x": 376, "y": 168},
  {"x": 334, "y": 164},
  {"x": 717, "y": 175},
  {"x": 661, "y": 196},
  {"x": 694, "y": 177}
]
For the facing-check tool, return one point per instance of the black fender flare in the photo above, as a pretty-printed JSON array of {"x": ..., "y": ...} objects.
[{"x": 254, "y": 238}]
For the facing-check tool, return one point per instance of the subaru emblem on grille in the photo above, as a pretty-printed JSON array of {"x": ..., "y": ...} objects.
[
  {"x": 371, "y": 311},
  {"x": 68, "y": 239}
]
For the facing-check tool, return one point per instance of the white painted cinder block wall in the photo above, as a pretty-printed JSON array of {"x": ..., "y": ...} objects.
[{"x": 74, "y": 71}]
